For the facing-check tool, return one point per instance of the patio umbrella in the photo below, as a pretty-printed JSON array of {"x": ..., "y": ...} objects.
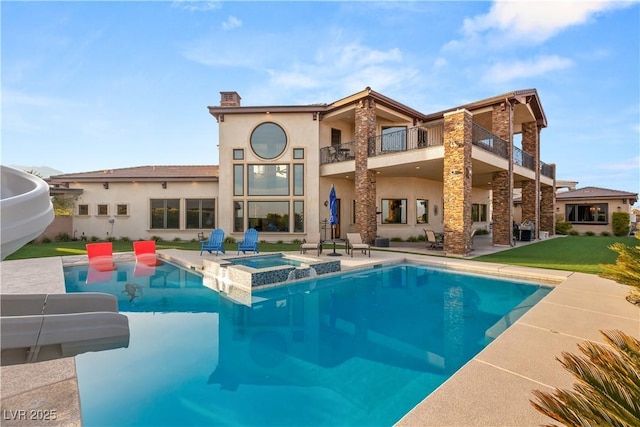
[{"x": 333, "y": 208}]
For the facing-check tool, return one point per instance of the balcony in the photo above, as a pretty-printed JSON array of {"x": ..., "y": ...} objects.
[{"x": 430, "y": 135}]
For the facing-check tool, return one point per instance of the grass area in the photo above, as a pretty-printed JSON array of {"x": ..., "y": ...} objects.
[
  {"x": 42, "y": 250},
  {"x": 571, "y": 253}
]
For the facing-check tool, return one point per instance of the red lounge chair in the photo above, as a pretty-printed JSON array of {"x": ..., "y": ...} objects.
[
  {"x": 101, "y": 256},
  {"x": 145, "y": 251}
]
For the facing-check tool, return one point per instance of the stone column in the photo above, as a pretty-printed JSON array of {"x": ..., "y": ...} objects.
[
  {"x": 531, "y": 189},
  {"x": 548, "y": 206},
  {"x": 502, "y": 182},
  {"x": 365, "y": 184},
  {"x": 457, "y": 182}
]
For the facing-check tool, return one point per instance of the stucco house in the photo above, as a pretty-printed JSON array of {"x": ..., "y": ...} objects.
[
  {"x": 396, "y": 171},
  {"x": 591, "y": 208}
]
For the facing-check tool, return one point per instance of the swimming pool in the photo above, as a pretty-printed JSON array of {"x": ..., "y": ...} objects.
[{"x": 356, "y": 348}]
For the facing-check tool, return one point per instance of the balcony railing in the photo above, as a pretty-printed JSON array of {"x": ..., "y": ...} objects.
[
  {"x": 423, "y": 136},
  {"x": 480, "y": 137},
  {"x": 523, "y": 159},
  {"x": 429, "y": 135},
  {"x": 337, "y": 153},
  {"x": 546, "y": 170}
]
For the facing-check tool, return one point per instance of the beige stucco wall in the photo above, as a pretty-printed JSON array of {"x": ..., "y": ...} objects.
[
  {"x": 137, "y": 195},
  {"x": 302, "y": 132},
  {"x": 614, "y": 205}
]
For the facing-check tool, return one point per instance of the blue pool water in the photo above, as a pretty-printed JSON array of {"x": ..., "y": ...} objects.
[
  {"x": 265, "y": 261},
  {"x": 359, "y": 348}
]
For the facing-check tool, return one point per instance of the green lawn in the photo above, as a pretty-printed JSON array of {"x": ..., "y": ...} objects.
[
  {"x": 572, "y": 253},
  {"x": 41, "y": 250}
]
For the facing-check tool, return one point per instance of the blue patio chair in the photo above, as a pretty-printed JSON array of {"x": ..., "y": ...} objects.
[
  {"x": 250, "y": 241},
  {"x": 216, "y": 238}
]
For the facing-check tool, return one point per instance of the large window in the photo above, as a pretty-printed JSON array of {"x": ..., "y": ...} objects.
[
  {"x": 478, "y": 212},
  {"x": 394, "y": 138},
  {"x": 165, "y": 213},
  {"x": 268, "y": 180},
  {"x": 201, "y": 213},
  {"x": 268, "y": 140},
  {"x": 269, "y": 216},
  {"x": 336, "y": 136},
  {"x": 394, "y": 211},
  {"x": 587, "y": 213},
  {"x": 422, "y": 211}
]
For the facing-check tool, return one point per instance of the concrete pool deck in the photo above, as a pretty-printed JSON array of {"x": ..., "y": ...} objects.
[{"x": 493, "y": 388}]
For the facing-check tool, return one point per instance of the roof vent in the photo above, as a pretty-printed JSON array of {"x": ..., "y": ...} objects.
[{"x": 229, "y": 99}]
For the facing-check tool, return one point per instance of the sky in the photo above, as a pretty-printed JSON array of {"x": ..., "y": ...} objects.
[{"x": 90, "y": 85}]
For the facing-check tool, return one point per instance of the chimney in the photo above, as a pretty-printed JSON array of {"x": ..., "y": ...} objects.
[{"x": 229, "y": 99}]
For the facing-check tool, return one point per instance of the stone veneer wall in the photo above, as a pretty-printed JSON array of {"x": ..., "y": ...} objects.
[
  {"x": 457, "y": 182},
  {"x": 547, "y": 206},
  {"x": 365, "y": 191},
  {"x": 502, "y": 182},
  {"x": 530, "y": 189}
]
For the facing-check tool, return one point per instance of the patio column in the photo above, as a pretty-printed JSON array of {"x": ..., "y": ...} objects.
[
  {"x": 365, "y": 180},
  {"x": 457, "y": 182},
  {"x": 531, "y": 189},
  {"x": 548, "y": 206},
  {"x": 502, "y": 182}
]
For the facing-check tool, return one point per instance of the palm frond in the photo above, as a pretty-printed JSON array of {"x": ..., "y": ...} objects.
[{"x": 607, "y": 388}]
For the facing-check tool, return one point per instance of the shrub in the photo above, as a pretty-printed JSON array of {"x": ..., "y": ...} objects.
[
  {"x": 279, "y": 242},
  {"x": 125, "y": 239},
  {"x": 94, "y": 238},
  {"x": 589, "y": 233},
  {"x": 412, "y": 239},
  {"x": 156, "y": 238},
  {"x": 296, "y": 241},
  {"x": 45, "y": 240},
  {"x": 177, "y": 239},
  {"x": 626, "y": 270},
  {"x": 229, "y": 239},
  {"x": 421, "y": 237},
  {"x": 481, "y": 231},
  {"x": 605, "y": 234},
  {"x": 63, "y": 237},
  {"x": 396, "y": 239},
  {"x": 606, "y": 390},
  {"x": 574, "y": 233},
  {"x": 111, "y": 239},
  {"x": 563, "y": 227},
  {"x": 620, "y": 223}
]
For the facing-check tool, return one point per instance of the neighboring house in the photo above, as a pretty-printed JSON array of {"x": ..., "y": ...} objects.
[
  {"x": 396, "y": 171},
  {"x": 591, "y": 208}
]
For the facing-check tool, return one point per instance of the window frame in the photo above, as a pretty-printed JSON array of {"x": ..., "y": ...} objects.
[
  {"x": 388, "y": 207},
  {"x": 168, "y": 216},
  {"x": 100, "y": 207},
  {"x": 583, "y": 210},
  {"x": 260, "y": 140},
  {"x": 200, "y": 213}
]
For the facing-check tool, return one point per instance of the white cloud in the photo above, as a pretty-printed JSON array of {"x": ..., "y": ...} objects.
[
  {"x": 196, "y": 5},
  {"x": 513, "y": 70},
  {"x": 532, "y": 22},
  {"x": 231, "y": 23},
  {"x": 630, "y": 164}
]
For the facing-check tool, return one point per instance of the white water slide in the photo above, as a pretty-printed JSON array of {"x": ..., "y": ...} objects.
[{"x": 25, "y": 209}]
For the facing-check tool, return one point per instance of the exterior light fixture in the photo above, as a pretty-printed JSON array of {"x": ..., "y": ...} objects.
[
  {"x": 105, "y": 185},
  {"x": 164, "y": 184}
]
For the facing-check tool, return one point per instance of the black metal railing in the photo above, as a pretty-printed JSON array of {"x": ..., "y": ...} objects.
[
  {"x": 481, "y": 137},
  {"x": 423, "y": 136},
  {"x": 522, "y": 158},
  {"x": 546, "y": 170},
  {"x": 337, "y": 153}
]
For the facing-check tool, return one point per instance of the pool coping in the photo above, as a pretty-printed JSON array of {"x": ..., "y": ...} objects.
[{"x": 493, "y": 388}]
